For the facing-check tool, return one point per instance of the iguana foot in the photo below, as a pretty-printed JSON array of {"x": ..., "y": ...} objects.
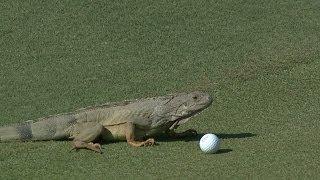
[
  {"x": 190, "y": 132},
  {"x": 148, "y": 142},
  {"x": 187, "y": 133},
  {"x": 130, "y": 137},
  {"x": 83, "y": 145},
  {"x": 96, "y": 146}
]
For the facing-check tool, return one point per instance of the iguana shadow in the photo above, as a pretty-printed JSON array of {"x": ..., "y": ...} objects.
[
  {"x": 199, "y": 135},
  {"x": 165, "y": 138}
]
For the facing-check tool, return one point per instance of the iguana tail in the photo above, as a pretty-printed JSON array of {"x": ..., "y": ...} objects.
[
  {"x": 21, "y": 131},
  {"x": 51, "y": 128}
]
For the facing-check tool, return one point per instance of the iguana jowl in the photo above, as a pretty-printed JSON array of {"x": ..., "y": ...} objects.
[{"x": 136, "y": 121}]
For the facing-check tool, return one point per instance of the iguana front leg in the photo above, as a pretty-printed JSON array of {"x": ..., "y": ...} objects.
[
  {"x": 189, "y": 132},
  {"x": 84, "y": 134},
  {"x": 131, "y": 139}
]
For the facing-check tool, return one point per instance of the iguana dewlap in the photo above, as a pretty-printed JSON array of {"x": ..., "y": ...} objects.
[{"x": 134, "y": 121}]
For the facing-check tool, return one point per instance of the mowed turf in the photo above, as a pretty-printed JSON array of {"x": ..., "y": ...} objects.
[{"x": 259, "y": 59}]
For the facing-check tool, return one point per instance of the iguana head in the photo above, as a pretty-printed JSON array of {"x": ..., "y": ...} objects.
[
  {"x": 188, "y": 104},
  {"x": 178, "y": 108}
]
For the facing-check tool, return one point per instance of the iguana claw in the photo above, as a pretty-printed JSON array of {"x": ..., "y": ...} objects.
[{"x": 83, "y": 145}]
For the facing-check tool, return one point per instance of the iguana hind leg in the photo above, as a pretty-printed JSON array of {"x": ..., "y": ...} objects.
[
  {"x": 83, "y": 145},
  {"x": 84, "y": 134},
  {"x": 131, "y": 139}
]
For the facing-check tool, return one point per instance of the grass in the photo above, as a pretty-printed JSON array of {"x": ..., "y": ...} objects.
[{"x": 259, "y": 59}]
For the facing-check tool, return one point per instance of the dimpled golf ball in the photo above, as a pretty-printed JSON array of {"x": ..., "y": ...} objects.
[{"x": 209, "y": 143}]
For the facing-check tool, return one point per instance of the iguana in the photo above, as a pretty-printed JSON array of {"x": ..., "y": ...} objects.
[{"x": 136, "y": 121}]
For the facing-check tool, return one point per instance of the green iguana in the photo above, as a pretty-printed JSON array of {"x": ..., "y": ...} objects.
[{"x": 136, "y": 121}]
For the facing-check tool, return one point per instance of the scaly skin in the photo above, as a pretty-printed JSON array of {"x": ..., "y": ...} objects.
[{"x": 136, "y": 121}]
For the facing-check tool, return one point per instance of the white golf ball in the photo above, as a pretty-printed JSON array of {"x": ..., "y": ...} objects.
[{"x": 209, "y": 143}]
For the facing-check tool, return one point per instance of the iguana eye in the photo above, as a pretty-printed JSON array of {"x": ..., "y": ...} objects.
[{"x": 194, "y": 97}]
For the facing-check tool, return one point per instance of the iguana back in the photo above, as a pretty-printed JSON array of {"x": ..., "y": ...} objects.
[{"x": 56, "y": 127}]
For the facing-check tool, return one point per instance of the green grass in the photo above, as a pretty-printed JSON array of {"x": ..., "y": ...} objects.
[{"x": 259, "y": 59}]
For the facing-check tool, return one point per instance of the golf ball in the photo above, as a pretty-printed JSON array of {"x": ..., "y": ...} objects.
[{"x": 209, "y": 143}]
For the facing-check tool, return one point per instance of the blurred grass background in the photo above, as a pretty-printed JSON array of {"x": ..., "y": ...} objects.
[{"x": 259, "y": 59}]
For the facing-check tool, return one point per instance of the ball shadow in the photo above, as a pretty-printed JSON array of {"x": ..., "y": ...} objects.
[{"x": 223, "y": 151}]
